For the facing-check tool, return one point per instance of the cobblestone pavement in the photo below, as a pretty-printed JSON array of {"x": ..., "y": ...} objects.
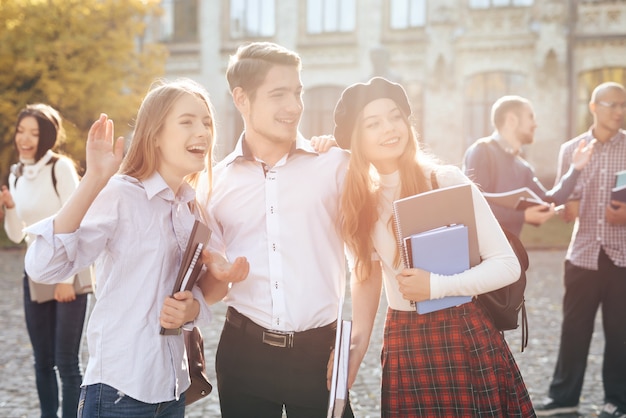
[{"x": 18, "y": 397}]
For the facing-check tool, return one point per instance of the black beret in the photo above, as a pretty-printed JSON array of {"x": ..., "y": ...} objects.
[{"x": 357, "y": 96}]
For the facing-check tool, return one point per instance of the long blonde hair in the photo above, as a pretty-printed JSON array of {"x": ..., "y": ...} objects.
[
  {"x": 142, "y": 158},
  {"x": 359, "y": 202}
]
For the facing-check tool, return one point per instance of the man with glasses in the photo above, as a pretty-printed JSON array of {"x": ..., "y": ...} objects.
[{"x": 595, "y": 264}]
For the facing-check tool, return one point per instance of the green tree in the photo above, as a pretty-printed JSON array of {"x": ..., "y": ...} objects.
[{"x": 83, "y": 57}]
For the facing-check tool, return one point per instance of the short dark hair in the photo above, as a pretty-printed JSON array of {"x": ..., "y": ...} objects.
[
  {"x": 251, "y": 63},
  {"x": 504, "y": 105},
  {"x": 50, "y": 126}
]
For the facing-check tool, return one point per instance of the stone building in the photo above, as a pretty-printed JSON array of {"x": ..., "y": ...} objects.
[{"x": 454, "y": 57}]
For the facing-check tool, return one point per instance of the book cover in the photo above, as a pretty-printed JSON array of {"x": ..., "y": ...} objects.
[
  {"x": 619, "y": 193},
  {"x": 620, "y": 178},
  {"x": 338, "y": 397},
  {"x": 519, "y": 199},
  {"x": 433, "y": 209},
  {"x": 443, "y": 250},
  {"x": 191, "y": 266}
]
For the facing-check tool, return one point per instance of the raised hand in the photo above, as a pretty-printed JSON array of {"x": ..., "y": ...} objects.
[
  {"x": 582, "y": 154},
  {"x": 104, "y": 154}
]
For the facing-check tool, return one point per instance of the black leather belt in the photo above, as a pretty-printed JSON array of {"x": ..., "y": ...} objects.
[{"x": 283, "y": 339}]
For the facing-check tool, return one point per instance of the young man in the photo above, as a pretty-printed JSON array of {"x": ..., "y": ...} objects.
[
  {"x": 495, "y": 164},
  {"x": 595, "y": 264},
  {"x": 276, "y": 201}
]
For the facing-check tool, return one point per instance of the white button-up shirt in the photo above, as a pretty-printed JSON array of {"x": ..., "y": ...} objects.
[
  {"x": 136, "y": 231},
  {"x": 285, "y": 220}
]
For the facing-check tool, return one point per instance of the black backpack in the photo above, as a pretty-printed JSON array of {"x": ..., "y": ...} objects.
[{"x": 504, "y": 305}]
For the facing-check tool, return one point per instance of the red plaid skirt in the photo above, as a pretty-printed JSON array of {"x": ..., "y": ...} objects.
[{"x": 449, "y": 363}]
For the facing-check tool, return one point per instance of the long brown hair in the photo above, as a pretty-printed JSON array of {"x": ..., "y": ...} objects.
[
  {"x": 142, "y": 158},
  {"x": 359, "y": 202}
]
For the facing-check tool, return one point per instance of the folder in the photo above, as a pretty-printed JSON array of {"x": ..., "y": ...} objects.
[
  {"x": 191, "y": 267},
  {"x": 619, "y": 193},
  {"x": 338, "y": 397},
  {"x": 518, "y": 199},
  {"x": 620, "y": 178},
  {"x": 443, "y": 250},
  {"x": 433, "y": 209}
]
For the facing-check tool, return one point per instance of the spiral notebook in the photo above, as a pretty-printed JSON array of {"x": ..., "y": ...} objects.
[
  {"x": 434, "y": 209},
  {"x": 191, "y": 266}
]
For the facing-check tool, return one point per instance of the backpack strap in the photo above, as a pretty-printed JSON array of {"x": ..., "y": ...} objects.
[
  {"x": 54, "y": 160},
  {"x": 433, "y": 180},
  {"x": 522, "y": 257},
  {"x": 520, "y": 252},
  {"x": 16, "y": 169}
]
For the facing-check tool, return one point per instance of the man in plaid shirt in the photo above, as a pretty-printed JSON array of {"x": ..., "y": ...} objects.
[{"x": 595, "y": 264}]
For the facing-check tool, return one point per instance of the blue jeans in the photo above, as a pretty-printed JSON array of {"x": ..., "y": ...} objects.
[
  {"x": 103, "y": 401},
  {"x": 55, "y": 330}
]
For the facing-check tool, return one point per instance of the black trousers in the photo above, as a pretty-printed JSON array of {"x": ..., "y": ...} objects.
[
  {"x": 585, "y": 291},
  {"x": 255, "y": 379}
]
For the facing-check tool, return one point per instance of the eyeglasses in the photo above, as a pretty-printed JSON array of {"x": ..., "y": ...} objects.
[{"x": 612, "y": 105}]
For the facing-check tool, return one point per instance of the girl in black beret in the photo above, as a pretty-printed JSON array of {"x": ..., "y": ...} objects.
[{"x": 450, "y": 362}]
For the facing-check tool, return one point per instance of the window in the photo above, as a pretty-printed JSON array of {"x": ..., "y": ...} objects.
[
  {"x": 485, "y": 4},
  {"x": 324, "y": 16},
  {"x": 319, "y": 105},
  {"x": 405, "y": 14},
  {"x": 587, "y": 81},
  {"x": 481, "y": 91},
  {"x": 252, "y": 18},
  {"x": 179, "y": 22}
]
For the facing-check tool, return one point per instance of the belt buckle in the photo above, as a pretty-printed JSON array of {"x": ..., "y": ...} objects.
[{"x": 278, "y": 339}]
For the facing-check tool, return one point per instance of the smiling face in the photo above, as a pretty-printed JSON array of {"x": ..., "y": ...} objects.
[
  {"x": 185, "y": 140},
  {"x": 383, "y": 134},
  {"x": 273, "y": 113},
  {"x": 27, "y": 137}
]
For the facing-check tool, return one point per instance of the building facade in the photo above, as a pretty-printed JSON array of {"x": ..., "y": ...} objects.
[{"x": 454, "y": 57}]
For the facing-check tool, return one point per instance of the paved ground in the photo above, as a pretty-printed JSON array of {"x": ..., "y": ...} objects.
[{"x": 18, "y": 396}]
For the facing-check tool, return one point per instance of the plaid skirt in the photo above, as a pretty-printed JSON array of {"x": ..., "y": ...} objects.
[{"x": 449, "y": 363}]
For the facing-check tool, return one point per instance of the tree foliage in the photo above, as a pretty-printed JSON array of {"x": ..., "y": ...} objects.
[{"x": 83, "y": 57}]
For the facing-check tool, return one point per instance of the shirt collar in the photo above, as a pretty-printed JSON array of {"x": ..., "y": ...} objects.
[
  {"x": 242, "y": 150},
  {"x": 506, "y": 147},
  {"x": 155, "y": 185},
  {"x": 620, "y": 135}
]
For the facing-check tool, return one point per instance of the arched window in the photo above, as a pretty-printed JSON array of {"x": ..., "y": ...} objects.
[
  {"x": 587, "y": 81},
  {"x": 319, "y": 106},
  {"x": 179, "y": 21},
  {"x": 481, "y": 91}
]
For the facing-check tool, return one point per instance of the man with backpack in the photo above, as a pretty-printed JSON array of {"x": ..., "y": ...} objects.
[{"x": 496, "y": 165}]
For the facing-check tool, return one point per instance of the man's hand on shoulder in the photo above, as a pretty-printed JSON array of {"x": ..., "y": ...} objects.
[{"x": 323, "y": 143}]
